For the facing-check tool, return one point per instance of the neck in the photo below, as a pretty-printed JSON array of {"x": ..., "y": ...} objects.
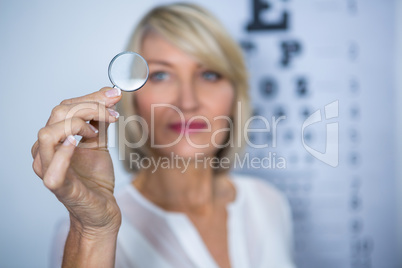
[{"x": 193, "y": 189}]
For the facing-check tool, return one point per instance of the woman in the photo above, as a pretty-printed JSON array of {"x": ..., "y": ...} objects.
[{"x": 189, "y": 212}]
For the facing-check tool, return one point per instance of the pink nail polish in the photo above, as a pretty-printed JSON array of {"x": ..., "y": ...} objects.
[
  {"x": 114, "y": 92},
  {"x": 70, "y": 140},
  {"x": 113, "y": 113},
  {"x": 93, "y": 128}
]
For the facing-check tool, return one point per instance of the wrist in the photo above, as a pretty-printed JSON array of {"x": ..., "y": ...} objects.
[
  {"x": 89, "y": 249},
  {"x": 90, "y": 234},
  {"x": 94, "y": 233}
]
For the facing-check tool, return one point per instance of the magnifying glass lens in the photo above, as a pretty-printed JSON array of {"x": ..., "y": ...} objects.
[{"x": 128, "y": 71}]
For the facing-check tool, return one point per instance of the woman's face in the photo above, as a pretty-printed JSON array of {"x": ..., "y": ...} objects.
[{"x": 183, "y": 102}]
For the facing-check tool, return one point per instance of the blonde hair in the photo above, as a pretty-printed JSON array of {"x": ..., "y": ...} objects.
[{"x": 195, "y": 31}]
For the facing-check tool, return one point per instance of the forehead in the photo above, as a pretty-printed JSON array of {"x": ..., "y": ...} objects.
[{"x": 156, "y": 48}]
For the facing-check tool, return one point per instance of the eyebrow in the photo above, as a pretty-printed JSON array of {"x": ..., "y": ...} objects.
[
  {"x": 161, "y": 62},
  {"x": 166, "y": 63}
]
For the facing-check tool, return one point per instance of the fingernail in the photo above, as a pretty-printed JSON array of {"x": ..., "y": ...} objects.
[
  {"x": 113, "y": 113},
  {"x": 93, "y": 128},
  {"x": 114, "y": 92},
  {"x": 70, "y": 140}
]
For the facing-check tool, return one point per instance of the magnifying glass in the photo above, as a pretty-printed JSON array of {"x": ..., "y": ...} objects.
[{"x": 128, "y": 71}]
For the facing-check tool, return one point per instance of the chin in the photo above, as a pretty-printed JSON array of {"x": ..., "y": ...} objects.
[{"x": 186, "y": 151}]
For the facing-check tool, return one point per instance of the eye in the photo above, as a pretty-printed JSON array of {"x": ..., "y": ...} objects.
[
  {"x": 211, "y": 76},
  {"x": 158, "y": 76}
]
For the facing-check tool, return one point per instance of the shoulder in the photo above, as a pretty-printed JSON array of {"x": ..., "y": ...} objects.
[
  {"x": 268, "y": 209},
  {"x": 262, "y": 199}
]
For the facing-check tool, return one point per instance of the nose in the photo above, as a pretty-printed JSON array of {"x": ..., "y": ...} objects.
[{"x": 187, "y": 96}]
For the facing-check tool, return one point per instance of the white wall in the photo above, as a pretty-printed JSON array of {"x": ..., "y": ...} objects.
[{"x": 398, "y": 104}]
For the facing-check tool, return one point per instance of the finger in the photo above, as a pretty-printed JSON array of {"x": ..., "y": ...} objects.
[
  {"x": 55, "y": 175},
  {"x": 107, "y": 95},
  {"x": 34, "y": 149},
  {"x": 50, "y": 136},
  {"x": 99, "y": 141},
  {"x": 37, "y": 166},
  {"x": 102, "y": 140},
  {"x": 87, "y": 111}
]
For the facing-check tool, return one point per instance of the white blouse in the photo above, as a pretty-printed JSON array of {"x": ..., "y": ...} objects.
[{"x": 259, "y": 232}]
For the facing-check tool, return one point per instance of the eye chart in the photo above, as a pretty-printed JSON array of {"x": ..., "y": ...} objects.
[{"x": 326, "y": 69}]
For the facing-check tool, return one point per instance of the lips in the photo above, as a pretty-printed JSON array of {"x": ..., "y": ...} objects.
[{"x": 194, "y": 126}]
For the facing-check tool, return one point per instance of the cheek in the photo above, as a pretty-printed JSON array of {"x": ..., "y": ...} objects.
[
  {"x": 221, "y": 104},
  {"x": 144, "y": 100},
  {"x": 155, "y": 117},
  {"x": 142, "y": 104},
  {"x": 143, "y": 109},
  {"x": 223, "y": 101}
]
